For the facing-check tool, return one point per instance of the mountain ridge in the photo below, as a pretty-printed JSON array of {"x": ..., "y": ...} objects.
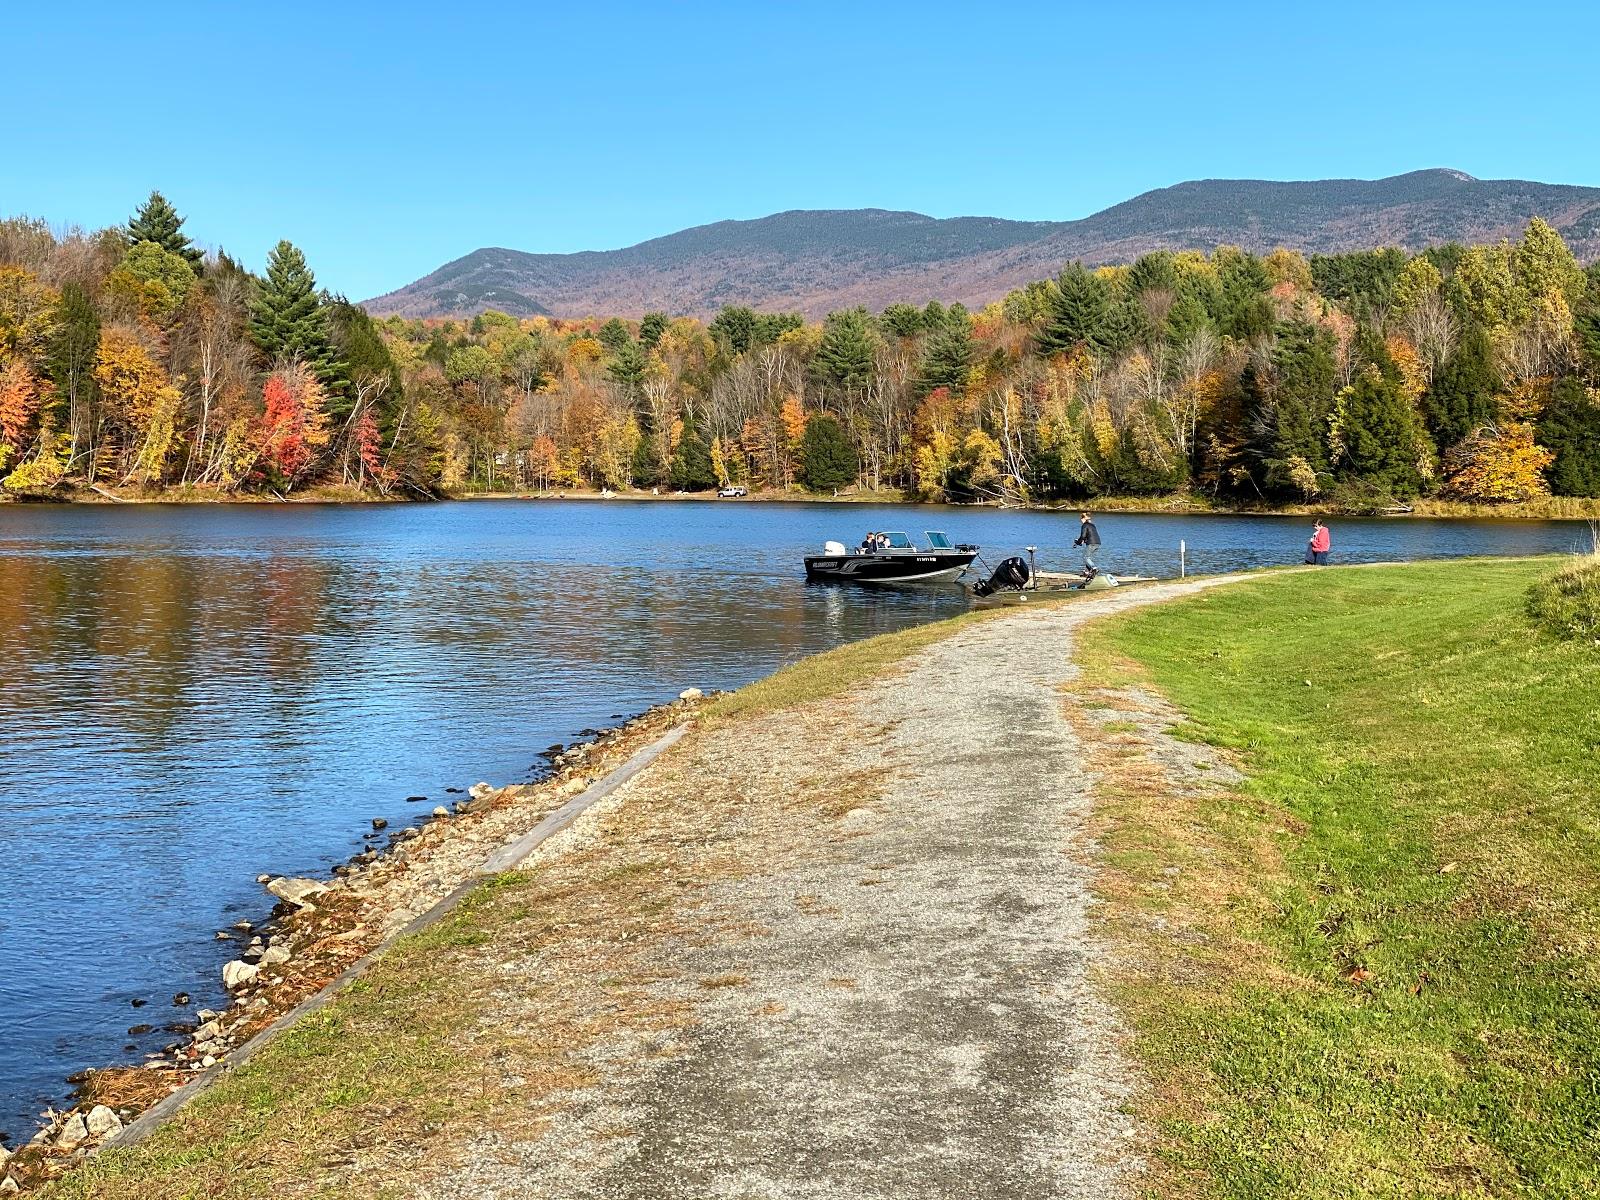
[{"x": 816, "y": 260}]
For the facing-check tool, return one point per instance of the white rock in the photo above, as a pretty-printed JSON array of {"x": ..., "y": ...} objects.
[
  {"x": 209, "y": 1031},
  {"x": 441, "y": 811},
  {"x": 690, "y": 694},
  {"x": 298, "y": 892},
  {"x": 479, "y": 790},
  {"x": 9, "y": 1187},
  {"x": 73, "y": 1134},
  {"x": 5, "y": 1157},
  {"x": 238, "y": 973},
  {"x": 102, "y": 1122},
  {"x": 274, "y": 955},
  {"x": 208, "y": 1061}
]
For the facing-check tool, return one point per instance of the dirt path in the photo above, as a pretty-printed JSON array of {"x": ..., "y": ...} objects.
[{"x": 889, "y": 987}]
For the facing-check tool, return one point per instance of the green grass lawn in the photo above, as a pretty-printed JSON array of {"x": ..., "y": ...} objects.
[{"x": 1394, "y": 990}]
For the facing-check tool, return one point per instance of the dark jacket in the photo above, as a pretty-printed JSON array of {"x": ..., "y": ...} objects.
[{"x": 1088, "y": 535}]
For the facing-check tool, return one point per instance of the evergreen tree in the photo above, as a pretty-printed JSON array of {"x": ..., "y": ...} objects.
[
  {"x": 1185, "y": 317},
  {"x": 844, "y": 358},
  {"x": 614, "y": 335},
  {"x": 771, "y": 326},
  {"x": 72, "y": 349},
  {"x": 1078, "y": 310},
  {"x": 1461, "y": 399},
  {"x": 1124, "y": 327},
  {"x": 360, "y": 354},
  {"x": 1377, "y": 429},
  {"x": 651, "y": 328},
  {"x": 902, "y": 320},
  {"x": 827, "y": 459},
  {"x": 947, "y": 358},
  {"x": 645, "y": 469},
  {"x": 1241, "y": 309},
  {"x": 1570, "y": 429},
  {"x": 735, "y": 326},
  {"x": 1153, "y": 272},
  {"x": 157, "y": 221},
  {"x": 288, "y": 318},
  {"x": 1586, "y": 322},
  {"x": 626, "y": 370},
  {"x": 691, "y": 469},
  {"x": 1287, "y": 399}
]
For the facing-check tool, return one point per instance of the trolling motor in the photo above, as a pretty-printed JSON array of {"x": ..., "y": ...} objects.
[{"x": 1011, "y": 575}]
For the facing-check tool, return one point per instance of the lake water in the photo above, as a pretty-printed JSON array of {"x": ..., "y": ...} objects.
[{"x": 190, "y": 696}]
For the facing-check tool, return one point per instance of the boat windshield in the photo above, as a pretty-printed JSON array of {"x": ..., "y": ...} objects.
[
  {"x": 938, "y": 541},
  {"x": 900, "y": 541}
]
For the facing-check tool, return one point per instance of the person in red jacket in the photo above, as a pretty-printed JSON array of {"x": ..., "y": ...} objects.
[{"x": 1319, "y": 545}]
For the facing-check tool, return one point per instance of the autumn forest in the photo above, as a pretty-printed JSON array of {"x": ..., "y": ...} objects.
[{"x": 133, "y": 364}]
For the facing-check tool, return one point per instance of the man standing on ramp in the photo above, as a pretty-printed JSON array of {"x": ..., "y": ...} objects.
[{"x": 1089, "y": 539}]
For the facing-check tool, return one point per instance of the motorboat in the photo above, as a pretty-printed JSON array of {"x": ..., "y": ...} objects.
[{"x": 892, "y": 558}]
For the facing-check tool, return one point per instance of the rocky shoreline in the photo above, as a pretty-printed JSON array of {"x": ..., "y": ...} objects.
[{"x": 319, "y": 928}]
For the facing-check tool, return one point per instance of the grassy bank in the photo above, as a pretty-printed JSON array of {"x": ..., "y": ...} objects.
[{"x": 1385, "y": 979}]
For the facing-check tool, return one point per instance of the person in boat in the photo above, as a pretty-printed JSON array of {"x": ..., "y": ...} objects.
[
  {"x": 1089, "y": 539},
  {"x": 868, "y": 544},
  {"x": 1321, "y": 543}
]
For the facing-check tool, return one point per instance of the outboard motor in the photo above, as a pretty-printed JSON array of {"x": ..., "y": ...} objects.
[{"x": 1010, "y": 576}]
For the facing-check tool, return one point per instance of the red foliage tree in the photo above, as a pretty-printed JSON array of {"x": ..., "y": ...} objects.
[
  {"x": 369, "y": 445},
  {"x": 295, "y": 426}
]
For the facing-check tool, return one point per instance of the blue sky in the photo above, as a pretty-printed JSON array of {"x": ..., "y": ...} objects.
[{"x": 386, "y": 139}]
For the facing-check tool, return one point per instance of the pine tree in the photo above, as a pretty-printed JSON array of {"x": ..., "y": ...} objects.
[
  {"x": 157, "y": 221},
  {"x": 691, "y": 469},
  {"x": 827, "y": 459},
  {"x": 1570, "y": 428},
  {"x": 626, "y": 370},
  {"x": 645, "y": 469},
  {"x": 1079, "y": 307},
  {"x": 1377, "y": 431},
  {"x": 846, "y": 353},
  {"x": 362, "y": 357},
  {"x": 288, "y": 319},
  {"x": 651, "y": 328},
  {"x": 1287, "y": 402},
  {"x": 735, "y": 325},
  {"x": 1461, "y": 399},
  {"x": 948, "y": 358},
  {"x": 73, "y": 348},
  {"x": 902, "y": 320},
  {"x": 614, "y": 335}
]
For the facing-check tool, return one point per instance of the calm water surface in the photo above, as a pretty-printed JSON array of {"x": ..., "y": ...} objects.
[{"x": 190, "y": 696}]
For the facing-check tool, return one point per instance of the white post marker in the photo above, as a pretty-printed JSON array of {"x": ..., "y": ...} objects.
[{"x": 1183, "y": 559}]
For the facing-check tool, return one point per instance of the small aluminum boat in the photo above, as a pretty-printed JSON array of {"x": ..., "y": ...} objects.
[{"x": 892, "y": 558}]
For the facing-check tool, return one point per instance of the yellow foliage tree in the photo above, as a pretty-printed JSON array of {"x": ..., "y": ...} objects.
[
  {"x": 141, "y": 401},
  {"x": 719, "y": 463},
  {"x": 27, "y": 314},
  {"x": 1413, "y": 374},
  {"x": 1288, "y": 266},
  {"x": 1498, "y": 464},
  {"x": 1418, "y": 280}
]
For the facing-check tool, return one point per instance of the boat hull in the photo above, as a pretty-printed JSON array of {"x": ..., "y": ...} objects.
[{"x": 889, "y": 568}]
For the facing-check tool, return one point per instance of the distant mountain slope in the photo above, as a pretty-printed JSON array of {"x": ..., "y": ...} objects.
[{"x": 816, "y": 261}]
